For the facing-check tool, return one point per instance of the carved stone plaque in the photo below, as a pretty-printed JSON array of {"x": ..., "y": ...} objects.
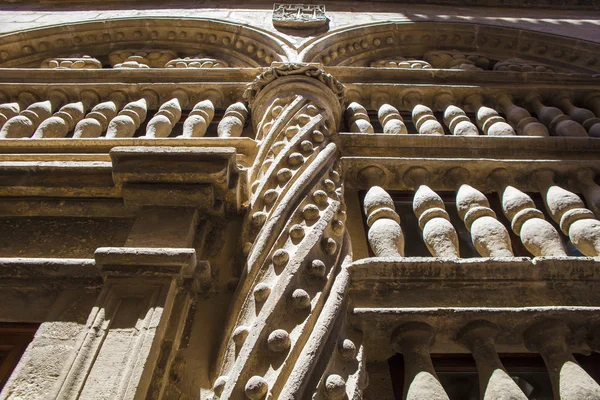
[{"x": 299, "y": 16}]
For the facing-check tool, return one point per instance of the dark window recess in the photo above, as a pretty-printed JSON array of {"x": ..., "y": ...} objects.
[
  {"x": 458, "y": 374},
  {"x": 14, "y": 339}
]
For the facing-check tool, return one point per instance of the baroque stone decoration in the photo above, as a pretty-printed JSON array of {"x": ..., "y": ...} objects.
[
  {"x": 299, "y": 16},
  {"x": 235, "y": 213}
]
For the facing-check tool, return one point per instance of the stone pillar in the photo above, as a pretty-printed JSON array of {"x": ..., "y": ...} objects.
[
  {"x": 454, "y": 117},
  {"x": 569, "y": 380},
  {"x": 385, "y": 233},
  {"x": 494, "y": 382},
  {"x": 414, "y": 340},
  {"x": 293, "y": 238}
]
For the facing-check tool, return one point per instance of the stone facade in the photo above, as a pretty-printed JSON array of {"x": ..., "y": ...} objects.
[{"x": 216, "y": 202}]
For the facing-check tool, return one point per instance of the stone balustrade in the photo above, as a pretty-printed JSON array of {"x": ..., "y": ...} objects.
[
  {"x": 548, "y": 337},
  {"x": 489, "y": 234}
]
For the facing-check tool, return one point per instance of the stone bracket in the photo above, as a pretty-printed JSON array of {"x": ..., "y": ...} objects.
[
  {"x": 180, "y": 263},
  {"x": 202, "y": 177}
]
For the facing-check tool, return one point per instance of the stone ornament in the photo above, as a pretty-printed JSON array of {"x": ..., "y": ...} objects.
[
  {"x": 451, "y": 59},
  {"x": 581, "y": 115},
  {"x": 135, "y": 59},
  {"x": 96, "y": 121},
  {"x": 557, "y": 122},
  {"x": 425, "y": 121},
  {"x": 520, "y": 65},
  {"x": 520, "y": 118},
  {"x": 358, "y": 119},
  {"x": 567, "y": 210},
  {"x": 199, "y": 119},
  {"x": 414, "y": 341},
  {"x": 25, "y": 124},
  {"x": 538, "y": 236},
  {"x": 488, "y": 119},
  {"x": 8, "y": 111},
  {"x": 479, "y": 337},
  {"x": 62, "y": 122},
  {"x": 584, "y": 180},
  {"x": 569, "y": 380},
  {"x": 75, "y": 61},
  {"x": 128, "y": 120},
  {"x": 233, "y": 121},
  {"x": 385, "y": 234},
  {"x": 278, "y": 70},
  {"x": 401, "y": 63},
  {"x": 391, "y": 120},
  {"x": 454, "y": 117},
  {"x": 198, "y": 61},
  {"x": 299, "y": 16}
]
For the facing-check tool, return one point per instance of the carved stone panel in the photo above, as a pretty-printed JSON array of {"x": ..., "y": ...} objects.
[{"x": 299, "y": 16}]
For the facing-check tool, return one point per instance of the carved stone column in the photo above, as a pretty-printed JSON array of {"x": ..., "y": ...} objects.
[
  {"x": 61, "y": 123},
  {"x": 358, "y": 119},
  {"x": 454, "y": 117},
  {"x": 96, "y": 121},
  {"x": 385, "y": 233},
  {"x": 584, "y": 116},
  {"x": 494, "y": 382},
  {"x": 25, "y": 124},
  {"x": 520, "y": 118},
  {"x": 488, "y": 119},
  {"x": 391, "y": 120},
  {"x": 567, "y": 209},
  {"x": 584, "y": 180},
  {"x": 557, "y": 122},
  {"x": 569, "y": 380},
  {"x": 293, "y": 240},
  {"x": 414, "y": 340}
]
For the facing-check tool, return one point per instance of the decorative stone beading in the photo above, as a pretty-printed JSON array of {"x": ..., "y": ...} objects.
[
  {"x": 494, "y": 382},
  {"x": 557, "y": 122},
  {"x": 335, "y": 387},
  {"x": 198, "y": 61},
  {"x": 256, "y": 388},
  {"x": 233, "y": 121},
  {"x": 519, "y": 65},
  {"x": 199, "y": 119},
  {"x": 75, "y": 61},
  {"x": 488, "y": 119},
  {"x": 520, "y": 118},
  {"x": 63, "y": 121},
  {"x": 438, "y": 233},
  {"x": 451, "y": 59},
  {"x": 425, "y": 121},
  {"x": 490, "y": 237},
  {"x": 25, "y": 124},
  {"x": 391, "y": 120},
  {"x": 358, "y": 119},
  {"x": 538, "y": 236},
  {"x": 569, "y": 380},
  {"x": 96, "y": 121},
  {"x": 128, "y": 120},
  {"x": 385, "y": 234},
  {"x": 584, "y": 180},
  {"x": 581, "y": 115},
  {"x": 414, "y": 341},
  {"x": 135, "y": 59},
  {"x": 401, "y": 63},
  {"x": 162, "y": 123},
  {"x": 567, "y": 210}
]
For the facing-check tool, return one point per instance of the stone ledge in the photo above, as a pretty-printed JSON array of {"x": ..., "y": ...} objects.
[
  {"x": 47, "y": 268},
  {"x": 151, "y": 262}
]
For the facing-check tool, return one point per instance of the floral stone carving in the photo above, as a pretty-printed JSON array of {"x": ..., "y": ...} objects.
[{"x": 299, "y": 16}]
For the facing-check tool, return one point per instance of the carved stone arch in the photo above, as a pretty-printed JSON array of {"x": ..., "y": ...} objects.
[
  {"x": 362, "y": 45},
  {"x": 238, "y": 45}
]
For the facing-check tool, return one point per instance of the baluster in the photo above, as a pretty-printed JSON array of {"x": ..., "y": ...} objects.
[
  {"x": 199, "y": 119},
  {"x": 520, "y": 118},
  {"x": 358, "y": 119},
  {"x": 61, "y": 123},
  {"x": 414, "y": 341},
  {"x": 557, "y": 122},
  {"x": 494, "y": 382},
  {"x": 538, "y": 236},
  {"x": 385, "y": 234},
  {"x": 454, "y": 117},
  {"x": 488, "y": 119},
  {"x": 391, "y": 120},
  {"x": 567, "y": 210},
  {"x": 593, "y": 102},
  {"x": 584, "y": 181},
  {"x": 585, "y": 117},
  {"x": 96, "y": 121},
  {"x": 569, "y": 380},
  {"x": 422, "y": 116},
  {"x": 490, "y": 237},
  {"x": 162, "y": 123},
  {"x": 8, "y": 111},
  {"x": 24, "y": 124},
  {"x": 128, "y": 120},
  {"x": 233, "y": 121},
  {"x": 438, "y": 233}
]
